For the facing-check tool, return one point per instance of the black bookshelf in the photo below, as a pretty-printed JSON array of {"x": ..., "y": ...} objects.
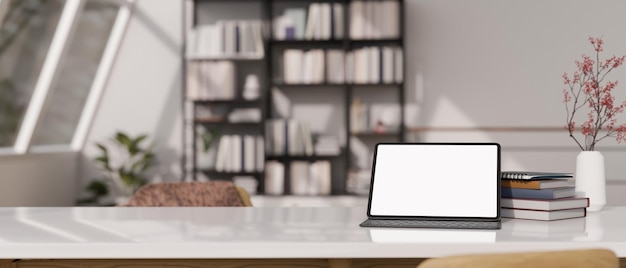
[{"x": 341, "y": 164}]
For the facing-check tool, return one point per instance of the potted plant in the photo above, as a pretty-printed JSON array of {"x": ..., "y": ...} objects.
[
  {"x": 588, "y": 97},
  {"x": 125, "y": 161}
]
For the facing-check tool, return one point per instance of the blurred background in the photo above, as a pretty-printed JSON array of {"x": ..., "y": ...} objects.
[{"x": 77, "y": 73}]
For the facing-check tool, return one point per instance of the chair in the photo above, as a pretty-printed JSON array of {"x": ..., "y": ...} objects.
[
  {"x": 588, "y": 258},
  {"x": 190, "y": 194}
]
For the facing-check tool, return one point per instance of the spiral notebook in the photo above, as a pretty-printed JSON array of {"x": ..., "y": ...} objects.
[{"x": 534, "y": 175}]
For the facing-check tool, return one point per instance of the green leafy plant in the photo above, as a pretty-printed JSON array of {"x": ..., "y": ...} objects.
[
  {"x": 125, "y": 162},
  {"x": 97, "y": 190},
  {"x": 208, "y": 137}
]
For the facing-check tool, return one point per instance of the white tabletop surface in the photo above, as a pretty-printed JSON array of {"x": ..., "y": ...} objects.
[{"x": 328, "y": 232}]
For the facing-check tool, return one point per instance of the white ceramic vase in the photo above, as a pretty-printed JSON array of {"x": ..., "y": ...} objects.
[{"x": 590, "y": 179}]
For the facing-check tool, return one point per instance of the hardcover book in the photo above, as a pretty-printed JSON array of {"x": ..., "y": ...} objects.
[
  {"x": 553, "y": 193},
  {"x": 545, "y": 204},
  {"x": 536, "y": 184}
]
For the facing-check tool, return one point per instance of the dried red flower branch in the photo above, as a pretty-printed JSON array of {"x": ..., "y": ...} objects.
[{"x": 587, "y": 88}]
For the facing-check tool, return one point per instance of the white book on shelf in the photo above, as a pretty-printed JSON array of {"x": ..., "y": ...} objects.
[
  {"x": 399, "y": 65},
  {"x": 306, "y": 138},
  {"x": 236, "y": 155},
  {"x": 214, "y": 44},
  {"x": 219, "y": 80},
  {"x": 222, "y": 153},
  {"x": 293, "y": 62},
  {"x": 280, "y": 136},
  {"x": 378, "y": 19},
  {"x": 294, "y": 144},
  {"x": 387, "y": 65},
  {"x": 361, "y": 67},
  {"x": 299, "y": 177},
  {"x": 259, "y": 154},
  {"x": 382, "y": 20},
  {"x": 274, "y": 178},
  {"x": 338, "y": 21},
  {"x": 257, "y": 38},
  {"x": 249, "y": 163},
  {"x": 358, "y": 116},
  {"x": 245, "y": 36},
  {"x": 229, "y": 38},
  {"x": 357, "y": 19},
  {"x": 314, "y": 178},
  {"x": 325, "y": 21},
  {"x": 307, "y": 67},
  {"x": 368, "y": 27},
  {"x": 374, "y": 65},
  {"x": 393, "y": 18},
  {"x": 318, "y": 66},
  {"x": 324, "y": 173},
  {"x": 335, "y": 66},
  {"x": 349, "y": 67},
  {"x": 312, "y": 21}
]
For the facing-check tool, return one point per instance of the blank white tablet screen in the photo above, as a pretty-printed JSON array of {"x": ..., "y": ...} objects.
[{"x": 437, "y": 180}]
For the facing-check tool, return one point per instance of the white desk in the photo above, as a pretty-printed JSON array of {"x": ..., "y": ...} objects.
[{"x": 276, "y": 233}]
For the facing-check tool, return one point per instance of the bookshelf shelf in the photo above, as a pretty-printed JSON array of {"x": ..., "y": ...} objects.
[
  {"x": 223, "y": 123},
  {"x": 377, "y": 134},
  {"x": 280, "y": 84},
  {"x": 286, "y": 85},
  {"x": 307, "y": 43},
  {"x": 375, "y": 42},
  {"x": 229, "y": 174},
  {"x": 377, "y": 85},
  {"x": 285, "y": 158},
  {"x": 226, "y": 57}
]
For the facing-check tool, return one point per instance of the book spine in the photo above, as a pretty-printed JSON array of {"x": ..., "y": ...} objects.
[
  {"x": 521, "y": 184},
  {"x": 527, "y": 193}
]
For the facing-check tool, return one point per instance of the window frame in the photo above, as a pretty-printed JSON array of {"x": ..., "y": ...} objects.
[{"x": 49, "y": 73}]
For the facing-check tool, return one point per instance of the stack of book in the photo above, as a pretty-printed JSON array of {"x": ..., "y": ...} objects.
[{"x": 544, "y": 196}]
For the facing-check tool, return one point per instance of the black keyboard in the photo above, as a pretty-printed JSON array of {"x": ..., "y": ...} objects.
[{"x": 431, "y": 224}]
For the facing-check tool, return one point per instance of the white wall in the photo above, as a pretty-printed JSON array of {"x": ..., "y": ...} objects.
[
  {"x": 494, "y": 63},
  {"x": 47, "y": 179},
  {"x": 143, "y": 94}
]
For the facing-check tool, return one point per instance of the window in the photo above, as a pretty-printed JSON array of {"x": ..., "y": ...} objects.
[
  {"x": 25, "y": 37},
  {"x": 76, "y": 73},
  {"x": 50, "y": 64}
]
